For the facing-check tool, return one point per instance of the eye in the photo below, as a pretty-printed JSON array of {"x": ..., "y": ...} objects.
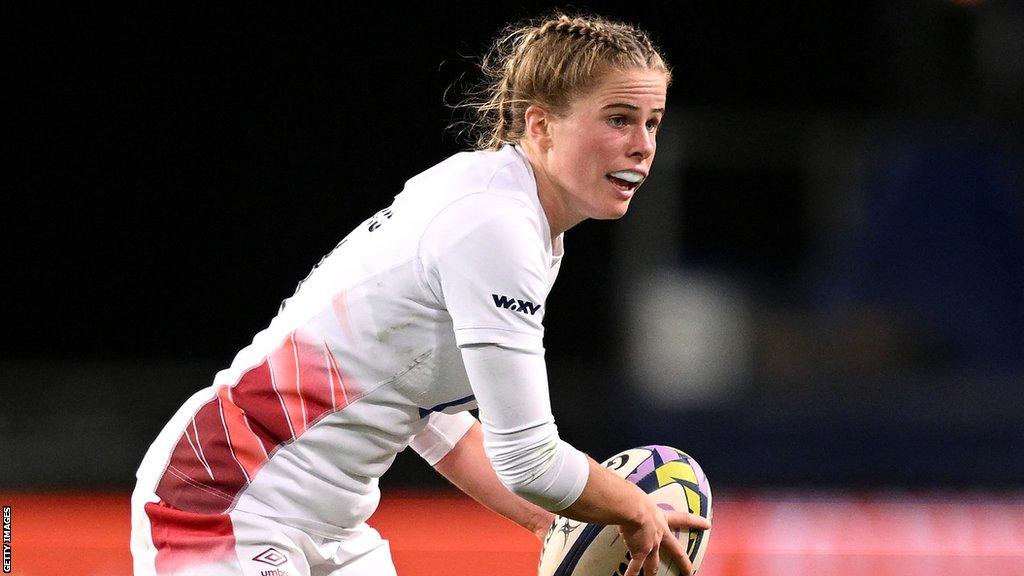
[
  {"x": 617, "y": 121},
  {"x": 652, "y": 125}
]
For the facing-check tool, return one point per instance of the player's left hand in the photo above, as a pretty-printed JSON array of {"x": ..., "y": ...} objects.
[{"x": 649, "y": 541}]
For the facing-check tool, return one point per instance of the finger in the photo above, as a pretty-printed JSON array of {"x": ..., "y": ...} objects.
[
  {"x": 677, "y": 552},
  {"x": 651, "y": 563},
  {"x": 677, "y": 519},
  {"x": 635, "y": 564},
  {"x": 685, "y": 567}
]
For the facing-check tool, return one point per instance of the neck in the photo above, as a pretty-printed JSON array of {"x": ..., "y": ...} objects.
[{"x": 552, "y": 200}]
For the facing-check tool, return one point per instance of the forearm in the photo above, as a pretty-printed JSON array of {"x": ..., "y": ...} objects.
[
  {"x": 467, "y": 467},
  {"x": 608, "y": 499}
]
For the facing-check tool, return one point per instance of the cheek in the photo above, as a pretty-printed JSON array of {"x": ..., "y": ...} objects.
[
  {"x": 580, "y": 161},
  {"x": 588, "y": 157},
  {"x": 597, "y": 152}
]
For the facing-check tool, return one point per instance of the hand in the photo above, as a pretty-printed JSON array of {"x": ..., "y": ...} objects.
[{"x": 646, "y": 540}]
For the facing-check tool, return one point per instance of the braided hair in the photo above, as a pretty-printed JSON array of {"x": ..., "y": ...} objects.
[{"x": 550, "y": 63}]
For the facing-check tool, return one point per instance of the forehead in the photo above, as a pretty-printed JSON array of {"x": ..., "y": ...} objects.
[{"x": 641, "y": 88}]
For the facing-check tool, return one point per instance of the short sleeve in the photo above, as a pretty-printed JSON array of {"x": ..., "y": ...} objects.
[
  {"x": 441, "y": 433},
  {"x": 485, "y": 258}
]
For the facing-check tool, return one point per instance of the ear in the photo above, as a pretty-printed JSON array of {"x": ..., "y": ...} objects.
[{"x": 538, "y": 126}]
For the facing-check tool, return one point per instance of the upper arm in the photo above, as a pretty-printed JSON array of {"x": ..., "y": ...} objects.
[{"x": 484, "y": 258}]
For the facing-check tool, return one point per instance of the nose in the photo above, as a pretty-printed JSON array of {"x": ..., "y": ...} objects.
[{"x": 643, "y": 143}]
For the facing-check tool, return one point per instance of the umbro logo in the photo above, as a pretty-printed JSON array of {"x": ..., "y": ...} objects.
[
  {"x": 270, "y": 556},
  {"x": 515, "y": 305}
]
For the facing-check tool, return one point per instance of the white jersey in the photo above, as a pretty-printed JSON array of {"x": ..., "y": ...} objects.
[{"x": 350, "y": 372}]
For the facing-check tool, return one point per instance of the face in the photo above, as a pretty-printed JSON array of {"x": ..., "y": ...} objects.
[{"x": 597, "y": 155}]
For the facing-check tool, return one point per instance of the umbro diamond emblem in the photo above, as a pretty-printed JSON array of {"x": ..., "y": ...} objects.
[{"x": 270, "y": 556}]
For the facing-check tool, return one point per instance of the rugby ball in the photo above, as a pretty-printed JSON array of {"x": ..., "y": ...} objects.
[{"x": 672, "y": 478}]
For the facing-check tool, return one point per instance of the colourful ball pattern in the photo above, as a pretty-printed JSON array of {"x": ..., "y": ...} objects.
[{"x": 673, "y": 479}]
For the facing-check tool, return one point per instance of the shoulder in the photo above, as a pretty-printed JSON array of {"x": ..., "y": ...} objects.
[
  {"x": 501, "y": 172},
  {"x": 482, "y": 191},
  {"x": 485, "y": 218}
]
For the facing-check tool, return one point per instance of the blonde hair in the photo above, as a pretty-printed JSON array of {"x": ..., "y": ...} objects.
[{"x": 549, "y": 63}]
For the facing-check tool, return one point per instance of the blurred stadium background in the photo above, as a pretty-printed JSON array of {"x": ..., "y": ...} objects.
[{"x": 819, "y": 293}]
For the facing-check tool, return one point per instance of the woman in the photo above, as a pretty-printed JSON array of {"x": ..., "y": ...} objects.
[{"x": 428, "y": 309}]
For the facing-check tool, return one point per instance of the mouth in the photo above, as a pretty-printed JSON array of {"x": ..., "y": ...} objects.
[{"x": 626, "y": 180}]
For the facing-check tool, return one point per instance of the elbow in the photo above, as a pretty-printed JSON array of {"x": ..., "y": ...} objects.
[
  {"x": 549, "y": 473},
  {"x": 519, "y": 465}
]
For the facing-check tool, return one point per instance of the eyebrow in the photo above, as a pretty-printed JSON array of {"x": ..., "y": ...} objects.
[{"x": 630, "y": 107}]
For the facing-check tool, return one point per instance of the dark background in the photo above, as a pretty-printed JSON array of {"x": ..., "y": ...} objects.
[{"x": 175, "y": 171}]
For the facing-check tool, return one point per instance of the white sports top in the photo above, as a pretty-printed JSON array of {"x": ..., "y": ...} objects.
[{"x": 365, "y": 359}]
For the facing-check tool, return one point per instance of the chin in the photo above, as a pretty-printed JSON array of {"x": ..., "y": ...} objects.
[
  {"x": 617, "y": 211},
  {"x": 610, "y": 214}
]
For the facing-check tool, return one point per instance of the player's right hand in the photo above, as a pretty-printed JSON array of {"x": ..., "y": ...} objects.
[{"x": 654, "y": 535}]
